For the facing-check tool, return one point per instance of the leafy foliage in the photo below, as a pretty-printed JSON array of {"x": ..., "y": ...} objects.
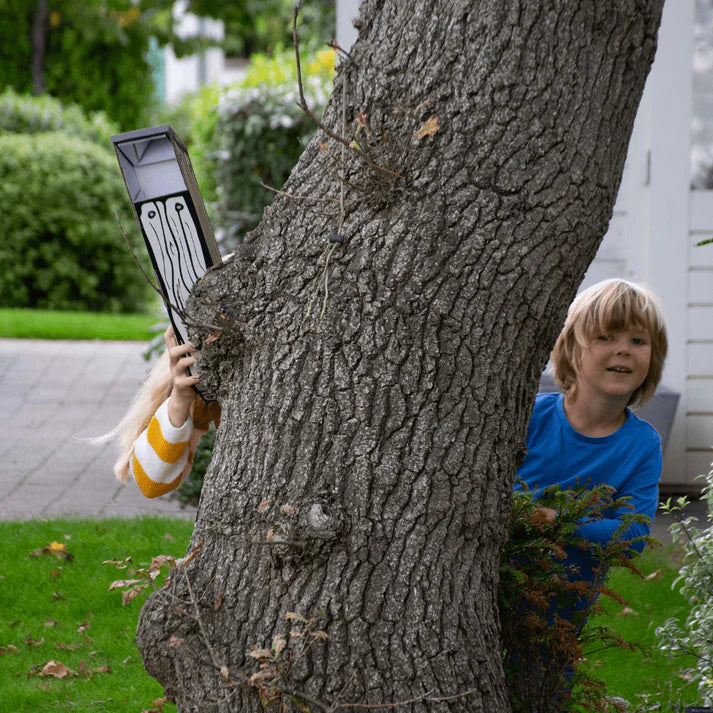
[
  {"x": 695, "y": 581},
  {"x": 94, "y": 53},
  {"x": 260, "y": 134},
  {"x": 58, "y": 199},
  {"x": 264, "y": 25},
  {"x": 544, "y": 604},
  {"x": 20, "y": 114}
]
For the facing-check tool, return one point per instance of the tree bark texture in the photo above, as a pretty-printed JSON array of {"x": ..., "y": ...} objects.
[{"x": 376, "y": 391}]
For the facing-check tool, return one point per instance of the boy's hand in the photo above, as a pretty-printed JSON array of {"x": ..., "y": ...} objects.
[{"x": 180, "y": 357}]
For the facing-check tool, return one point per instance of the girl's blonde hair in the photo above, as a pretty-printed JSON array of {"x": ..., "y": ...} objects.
[
  {"x": 610, "y": 306},
  {"x": 153, "y": 392}
]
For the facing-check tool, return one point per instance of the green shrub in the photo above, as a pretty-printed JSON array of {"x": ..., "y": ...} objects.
[
  {"x": 95, "y": 54},
  {"x": 544, "y": 604},
  {"x": 259, "y": 136},
  {"x": 60, "y": 246},
  {"x": 20, "y": 114},
  {"x": 194, "y": 119},
  {"x": 694, "y": 636}
]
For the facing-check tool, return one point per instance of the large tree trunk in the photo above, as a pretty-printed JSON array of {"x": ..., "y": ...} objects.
[{"x": 370, "y": 434}]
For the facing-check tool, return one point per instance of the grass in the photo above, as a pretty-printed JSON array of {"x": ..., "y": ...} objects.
[
  {"x": 56, "y": 609},
  {"x": 49, "y": 324},
  {"x": 644, "y": 677}
]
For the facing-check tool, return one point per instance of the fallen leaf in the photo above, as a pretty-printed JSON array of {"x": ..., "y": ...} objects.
[
  {"x": 68, "y": 647},
  {"x": 50, "y": 623},
  {"x": 175, "y": 641},
  {"x": 29, "y": 641},
  {"x": 652, "y": 576},
  {"x": 56, "y": 669},
  {"x": 224, "y": 673},
  {"x": 56, "y": 595},
  {"x": 55, "y": 573},
  {"x": 102, "y": 669},
  {"x": 628, "y": 611},
  {"x": 264, "y": 505},
  {"x": 83, "y": 627},
  {"x": 9, "y": 649},
  {"x": 429, "y": 128},
  {"x": 287, "y": 509},
  {"x": 123, "y": 583}
]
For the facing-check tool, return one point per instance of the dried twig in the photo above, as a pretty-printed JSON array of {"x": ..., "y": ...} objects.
[
  {"x": 305, "y": 107},
  {"x": 206, "y": 641}
]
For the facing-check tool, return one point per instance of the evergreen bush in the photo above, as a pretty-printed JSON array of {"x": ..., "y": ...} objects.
[
  {"x": 60, "y": 245},
  {"x": 544, "y": 604}
]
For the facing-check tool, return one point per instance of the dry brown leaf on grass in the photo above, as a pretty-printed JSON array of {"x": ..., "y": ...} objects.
[
  {"x": 58, "y": 549},
  {"x": 56, "y": 669}
]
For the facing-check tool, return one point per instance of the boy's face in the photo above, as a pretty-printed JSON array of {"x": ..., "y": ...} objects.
[{"x": 615, "y": 363}]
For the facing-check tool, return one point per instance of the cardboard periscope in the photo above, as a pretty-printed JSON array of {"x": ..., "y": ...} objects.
[{"x": 171, "y": 214}]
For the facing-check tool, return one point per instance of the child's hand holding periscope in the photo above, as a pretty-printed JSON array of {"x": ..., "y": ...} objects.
[{"x": 182, "y": 395}]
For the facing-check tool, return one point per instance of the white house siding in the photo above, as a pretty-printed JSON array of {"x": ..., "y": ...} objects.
[
  {"x": 655, "y": 221},
  {"x": 699, "y": 383},
  {"x": 650, "y": 237}
]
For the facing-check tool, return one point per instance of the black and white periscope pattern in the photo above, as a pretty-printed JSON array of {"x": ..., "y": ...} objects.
[{"x": 176, "y": 251}]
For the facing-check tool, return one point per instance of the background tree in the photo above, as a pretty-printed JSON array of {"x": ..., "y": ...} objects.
[
  {"x": 94, "y": 52},
  {"x": 263, "y": 25},
  {"x": 376, "y": 385}
]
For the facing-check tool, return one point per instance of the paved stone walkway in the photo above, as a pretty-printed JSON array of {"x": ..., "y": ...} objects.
[{"x": 53, "y": 394}]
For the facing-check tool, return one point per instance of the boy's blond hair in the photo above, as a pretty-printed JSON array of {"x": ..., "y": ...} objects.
[{"x": 610, "y": 306}]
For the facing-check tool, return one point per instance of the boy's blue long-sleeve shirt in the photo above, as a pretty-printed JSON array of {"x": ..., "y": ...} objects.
[{"x": 629, "y": 460}]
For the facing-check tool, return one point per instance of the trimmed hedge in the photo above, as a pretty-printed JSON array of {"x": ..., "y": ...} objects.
[
  {"x": 21, "y": 114},
  {"x": 60, "y": 245}
]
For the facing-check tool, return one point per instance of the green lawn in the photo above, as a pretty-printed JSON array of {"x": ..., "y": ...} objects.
[
  {"x": 48, "y": 324},
  {"x": 57, "y": 609},
  {"x": 644, "y": 677},
  {"x": 60, "y": 609}
]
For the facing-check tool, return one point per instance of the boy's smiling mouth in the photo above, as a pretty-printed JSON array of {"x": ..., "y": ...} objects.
[{"x": 620, "y": 369}]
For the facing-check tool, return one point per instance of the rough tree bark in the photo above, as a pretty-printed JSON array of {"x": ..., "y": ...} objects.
[{"x": 376, "y": 391}]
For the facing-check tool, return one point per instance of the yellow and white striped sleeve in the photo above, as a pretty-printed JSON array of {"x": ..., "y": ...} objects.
[{"x": 161, "y": 454}]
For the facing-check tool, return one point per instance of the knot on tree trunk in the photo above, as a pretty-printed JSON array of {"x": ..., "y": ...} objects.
[{"x": 301, "y": 533}]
